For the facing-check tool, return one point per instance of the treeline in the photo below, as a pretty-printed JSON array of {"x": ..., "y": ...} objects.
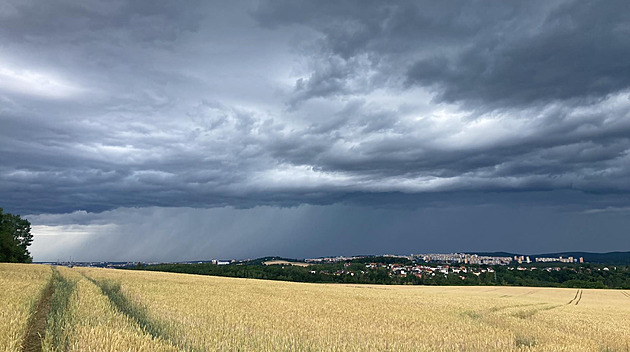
[
  {"x": 575, "y": 276},
  {"x": 324, "y": 273},
  {"x": 584, "y": 276}
]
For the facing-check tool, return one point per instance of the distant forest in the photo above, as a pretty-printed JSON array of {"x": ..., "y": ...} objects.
[{"x": 355, "y": 271}]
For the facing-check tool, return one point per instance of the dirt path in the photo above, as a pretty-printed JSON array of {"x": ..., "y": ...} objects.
[{"x": 37, "y": 323}]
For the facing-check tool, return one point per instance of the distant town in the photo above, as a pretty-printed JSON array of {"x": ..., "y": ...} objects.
[
  {"x": 463, "y": 258},
  {"x": 431, "y": 258},
  {"x": 577, "y": 269},
  {"x": 452, "y": 263}
]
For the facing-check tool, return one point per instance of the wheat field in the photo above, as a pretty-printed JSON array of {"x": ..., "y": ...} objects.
[
  {"x": 20, "y": 286},
  {"x": 92, "y": 323},
  {"x": 116, "y": 310}
]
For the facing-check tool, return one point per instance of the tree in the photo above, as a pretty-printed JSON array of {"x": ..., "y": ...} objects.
[{"x": 15, "y": 237}]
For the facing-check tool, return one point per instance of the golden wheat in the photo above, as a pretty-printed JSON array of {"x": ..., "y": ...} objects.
[
  {"x": 20, "y": 288},
  {"x": 227, "y": 314},
  {"x": 91, "y": 323}
]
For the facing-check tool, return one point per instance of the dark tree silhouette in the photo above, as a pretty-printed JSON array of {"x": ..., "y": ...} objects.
[{"x": 15, "y": 237}]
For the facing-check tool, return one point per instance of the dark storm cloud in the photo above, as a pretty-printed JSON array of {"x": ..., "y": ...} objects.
[
  {"x": 574, "y": 51},
  {"x": 65, "y": 20},
  {"x": 154, "y": 130},
  {"x": 497, "y": 54},
  {"x": 172, "y": 234},
  {"x": 118, "y": 104},
  {"x": 549, "y": 69}
]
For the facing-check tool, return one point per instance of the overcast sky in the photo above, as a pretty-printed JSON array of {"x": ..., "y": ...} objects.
[{"x": 161, "y": 130}]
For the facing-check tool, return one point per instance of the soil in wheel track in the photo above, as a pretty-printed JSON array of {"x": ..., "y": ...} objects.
[
  {"x": 579, "y": 298},
  {"x": 577, "y": 293},
  {"x": 37, "y": 323}
]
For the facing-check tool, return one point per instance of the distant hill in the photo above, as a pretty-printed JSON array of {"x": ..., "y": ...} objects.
[
  {"x": 618, "y": 258},
  {"x": 495, "y": 254},
  {"x": 261, "y": 261}
]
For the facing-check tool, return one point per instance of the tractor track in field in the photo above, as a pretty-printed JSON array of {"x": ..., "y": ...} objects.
[
  {"x": 139, "y": 314},
  {"x": 625, "y": 293},
  {"x": 531, "y": 307},
  {"x": 502, "y": 308},
  {"x": 527, "y": 313},
  {"x": 578, "y": 297},
  {"x": 574, "y": 298},
  {"x": 36, "y": 328}
]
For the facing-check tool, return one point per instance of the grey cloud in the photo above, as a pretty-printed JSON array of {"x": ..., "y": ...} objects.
[
  {"x": 576, "y": 52},
  {"x": 490, "y": 54},
  {"x": 169, "y": 234},
  {"x": 67, "y": 21},
  {"x": 554, "y": 142},
  {"x": 225, "y": 149},
  {"x": 291, "y": 103}
]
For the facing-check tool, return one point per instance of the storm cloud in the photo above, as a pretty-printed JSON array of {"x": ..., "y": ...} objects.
[
  {"x": 288, "y": 105},
  {"x": 163, "y": 234}
]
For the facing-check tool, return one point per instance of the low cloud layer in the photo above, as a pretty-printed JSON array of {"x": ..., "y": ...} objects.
[
  {"x": 107, "y": 105},
  {"x": 174, "y": 234}
]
